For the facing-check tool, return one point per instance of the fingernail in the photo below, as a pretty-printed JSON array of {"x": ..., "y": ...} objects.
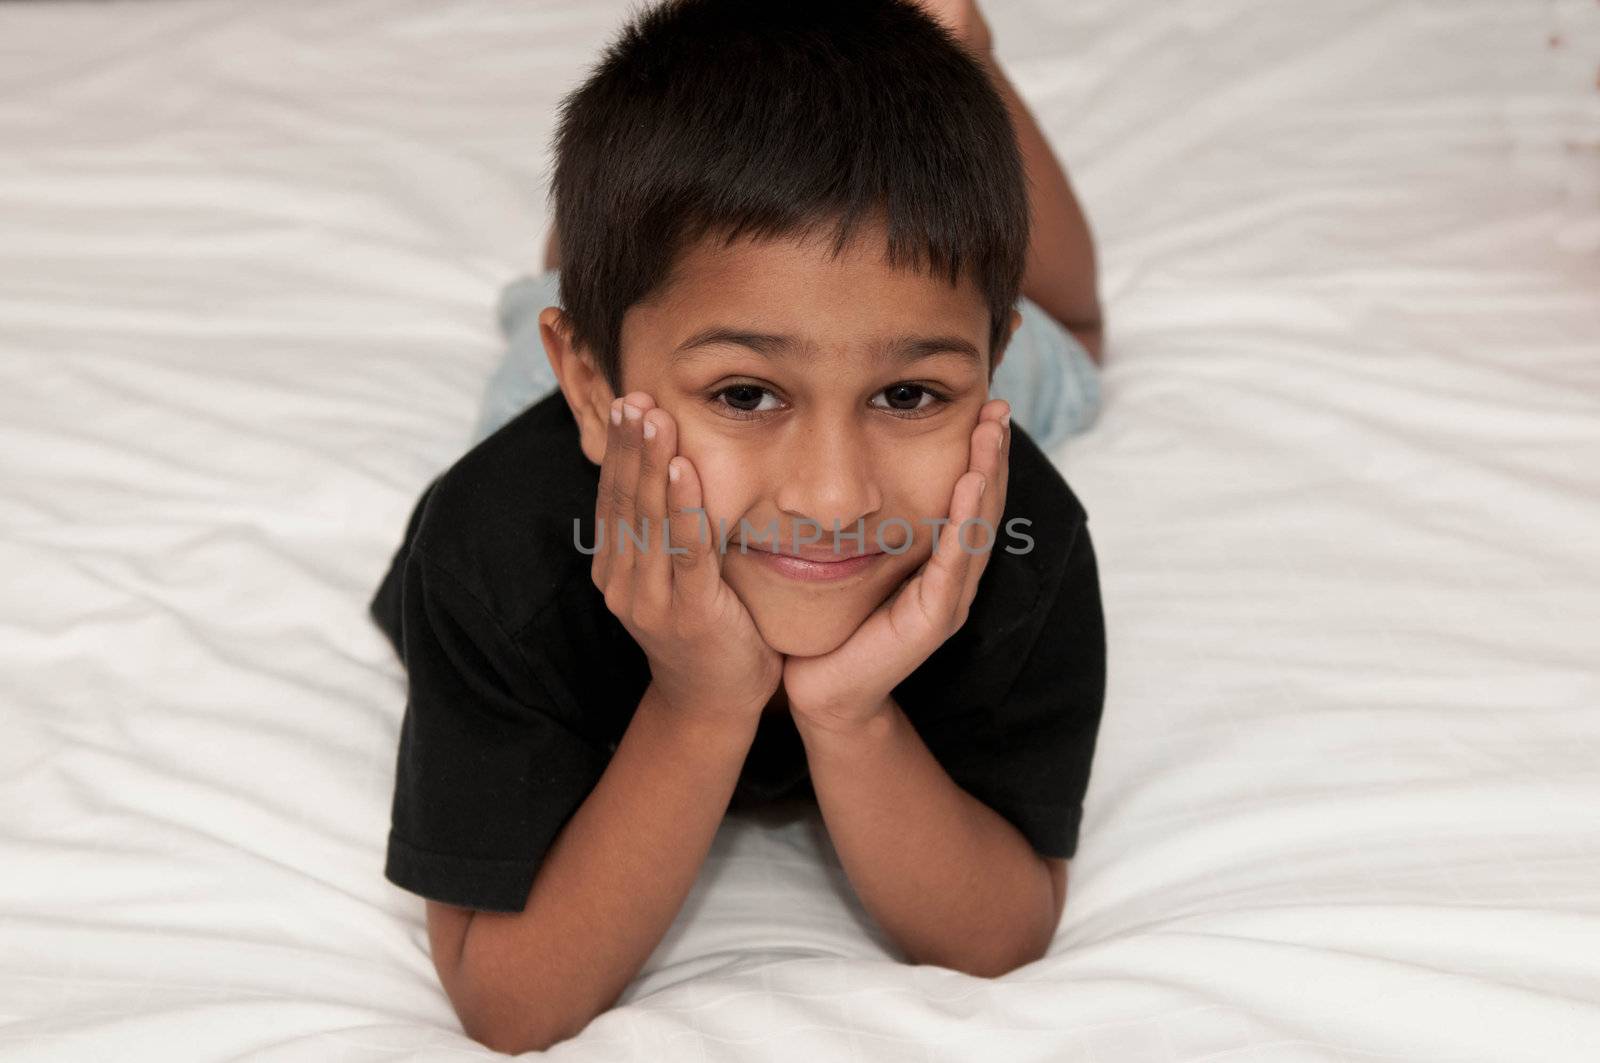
[
  {"x": 649, "y": 429},
  {"x": 630, "y": 412},
  {"x": 1005, "y": 422},
  {"x": 672, "y": 470},
  {"x": 983, "y": 485},
  {"x": 616, "y": 411}
]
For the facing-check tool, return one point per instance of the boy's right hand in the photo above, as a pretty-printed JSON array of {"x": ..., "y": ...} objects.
[{"x": 707, "y": 657}]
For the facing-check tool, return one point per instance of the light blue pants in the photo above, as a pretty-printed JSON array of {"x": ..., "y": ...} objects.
[{"x": 1047, "y": 376}]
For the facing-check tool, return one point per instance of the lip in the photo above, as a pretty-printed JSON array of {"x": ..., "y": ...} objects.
[{"x": 803, "y": 568}]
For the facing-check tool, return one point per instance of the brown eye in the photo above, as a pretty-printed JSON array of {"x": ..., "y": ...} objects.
[
  {"x": 904, "y": 396},
  {"x": 743, "y": 400},
  {"x": 914, "y": 399}
]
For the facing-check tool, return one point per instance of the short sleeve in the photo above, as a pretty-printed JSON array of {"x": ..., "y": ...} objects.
[
  {"x": 486, "y": 775},
  {"x": 1032, "y": 765}
]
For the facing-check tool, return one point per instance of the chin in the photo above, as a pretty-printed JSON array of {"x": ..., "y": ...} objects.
[
  {"x": 811, "y": 620},
  {"x": 785, "y": 632}
]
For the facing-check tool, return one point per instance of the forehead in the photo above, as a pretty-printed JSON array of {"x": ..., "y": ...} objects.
[{"x": 854, "y": 302}]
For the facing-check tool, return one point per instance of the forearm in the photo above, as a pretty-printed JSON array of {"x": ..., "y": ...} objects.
[
  {"x": 949, "y": 879},
  {"x": 1061, "y": 274},
  {"x": 609, "y": 886}
]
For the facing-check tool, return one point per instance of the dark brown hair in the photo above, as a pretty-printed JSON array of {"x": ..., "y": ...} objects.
[{"x": 771, "y": 118}]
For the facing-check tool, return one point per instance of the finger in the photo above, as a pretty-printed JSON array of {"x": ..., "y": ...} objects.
[
  {"x": 625, "y": 499},
  {"x": 991, "y": 454},
  {"x": 944, "y": 578},
  {"x": 605, "y": 527},
  {"x": 989, "y": 436},
  {"x": 625, "y": 482},
  {"x": 950, "y": 562},
  {"x": 999, "y": 483},
  {"x": 653, "y": 566},
  {"x": 1002, "y": 476},
  {"x": 697, "y": 570}
]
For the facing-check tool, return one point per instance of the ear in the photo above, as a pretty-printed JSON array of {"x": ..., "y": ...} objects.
[
  {"x": 588, "y": 395},
  {"x": 1000, "y": 354}
]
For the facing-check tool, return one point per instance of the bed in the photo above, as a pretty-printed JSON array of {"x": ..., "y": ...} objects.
[{"x": 1345, "y": 492}]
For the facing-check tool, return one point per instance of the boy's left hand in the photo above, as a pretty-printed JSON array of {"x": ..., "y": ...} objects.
[{"x": 845, "y": 689}]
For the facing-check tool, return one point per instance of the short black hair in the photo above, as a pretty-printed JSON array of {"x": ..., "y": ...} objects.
[{"x": 771, "y": 118}]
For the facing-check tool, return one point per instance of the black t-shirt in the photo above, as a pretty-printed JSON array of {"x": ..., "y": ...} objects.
[{"x": 521, "y": 683}]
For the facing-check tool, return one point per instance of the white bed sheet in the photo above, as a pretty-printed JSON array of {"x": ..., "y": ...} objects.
[{"x": 1346, "y": 496}]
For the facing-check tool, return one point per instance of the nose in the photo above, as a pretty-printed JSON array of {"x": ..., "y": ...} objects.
[{"x": 828, "y": 477}]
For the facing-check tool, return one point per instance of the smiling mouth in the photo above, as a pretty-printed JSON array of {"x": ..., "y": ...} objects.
[
  {"x": 810, "y": 569},
  {"x": 824, "y": 557}
]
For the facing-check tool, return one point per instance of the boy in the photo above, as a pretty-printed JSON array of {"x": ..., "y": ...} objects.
[{"x": 616, "y": 612}]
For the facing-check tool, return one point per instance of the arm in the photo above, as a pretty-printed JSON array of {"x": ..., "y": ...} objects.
[
  {"x": 954, "y": 884},
  {"x": 951, "y": 880},
  {"x": 620, "y": 867},
  {"x": 606, "y": 892}
]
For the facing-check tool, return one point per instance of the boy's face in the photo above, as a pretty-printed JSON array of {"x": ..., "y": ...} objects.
[{"x": 837, "y": 394}]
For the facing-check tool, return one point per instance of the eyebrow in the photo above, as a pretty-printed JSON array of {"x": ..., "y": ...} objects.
[{"x": 770, "y": 345}]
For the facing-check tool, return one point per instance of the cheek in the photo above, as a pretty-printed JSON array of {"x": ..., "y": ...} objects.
[
  {"x": 924, "y": 486},
  {"x": 727, "y": 486}
]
